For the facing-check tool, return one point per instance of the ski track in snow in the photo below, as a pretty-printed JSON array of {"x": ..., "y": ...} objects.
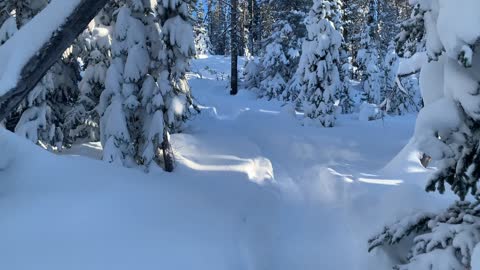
[{"x": 253, "y": 190}]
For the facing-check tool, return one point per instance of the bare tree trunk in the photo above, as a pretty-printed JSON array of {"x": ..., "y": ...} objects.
[
  {"x": 168, "y": 155},
  {"x": 250, "y": 27},
  {"x": 234, "y": 48},
  {"x": 37, "y": 66}
]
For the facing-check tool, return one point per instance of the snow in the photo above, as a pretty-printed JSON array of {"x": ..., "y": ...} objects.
[
  {"x": 254, "y": 189},
  {"x": 24, "y": 44},
  {"x": 412, "y": 64},
  {"x": 369, "y": 112},
  {"x": 476, "y": 258}
]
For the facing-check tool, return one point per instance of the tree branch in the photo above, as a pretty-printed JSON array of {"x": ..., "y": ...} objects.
[{"x": 37, "y": 66}]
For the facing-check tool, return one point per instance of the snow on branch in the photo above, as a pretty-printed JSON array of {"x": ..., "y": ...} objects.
[
  {"x": 29, "y": 54},
  {"x": 412, "y": 65}
]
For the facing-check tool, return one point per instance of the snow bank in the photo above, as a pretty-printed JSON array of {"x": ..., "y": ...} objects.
[
  {"x": 25, "y": 43},
  {"x": 369, "y": 112}
]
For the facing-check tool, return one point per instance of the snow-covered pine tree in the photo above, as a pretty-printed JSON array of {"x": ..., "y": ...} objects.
[
  {"x": 282, "y": 50},
  {"x": 343, "y": 95},
  {"x": 177, "y": 50},
  {"x": 218, "y": 27},
  {"x": 202, "y": 38},
  {"x": 83, "y": 120},
  {"x": 412, "y": 36},
  {"x": 62, "y": 99},
  {"x": 317, "y": 78},
  {"x": 368, "y": 57},
  {"x": 35, "y": 118},
  {"x": 393, "y": 101},
  {"x": 280, "y": 56},
  {"x": 122, "y": 116},
  {"x": 447, "y": 130},
  {"x": 397, "y": 99}
]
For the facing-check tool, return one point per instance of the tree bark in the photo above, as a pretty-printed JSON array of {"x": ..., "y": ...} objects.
[
  {"x": 168, "y": 155},
  {"x": 37, "y": 66},
  {"x": 234, "y": 48}
]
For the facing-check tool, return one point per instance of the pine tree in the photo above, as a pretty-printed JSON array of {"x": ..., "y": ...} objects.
[
  {"x": 202, "y": 39},
  {"x": 344, "y": 93},
  {"x": 217, "y": 21},
  {"x": 39, "y": 117},
  {"x": 277, "y": 62},
  {"x": 447, "y": 130},
  {"x": 368, "y": 57},
  {"x": 83, "y": 120},
  {"x": 122, "y": 115},
  {"x": 281, "y": 51},
  {"x": 412, "y": 38},
  {"x": 391, "y": 93},
  {"x": 177, "y": 50},
  {"x": 397, "y": 100},
  {"x": 318, "y": 73}
]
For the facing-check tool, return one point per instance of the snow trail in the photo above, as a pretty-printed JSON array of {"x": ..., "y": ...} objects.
[{"x": 253, "y": 190}]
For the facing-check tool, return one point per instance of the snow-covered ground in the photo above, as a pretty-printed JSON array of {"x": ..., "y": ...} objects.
[{"x": 254, "y": 189}]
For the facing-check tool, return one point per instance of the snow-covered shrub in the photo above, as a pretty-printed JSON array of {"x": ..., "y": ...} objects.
[
  {"x": 251, "y": 74},
  {"x": 447, "y": 130},
  {"x": 317, "y": 78}
]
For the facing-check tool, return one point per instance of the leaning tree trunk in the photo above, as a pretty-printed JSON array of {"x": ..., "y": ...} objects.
[
  {"x": 38, "y": 65},
  {"x": 234, "y": 48}
]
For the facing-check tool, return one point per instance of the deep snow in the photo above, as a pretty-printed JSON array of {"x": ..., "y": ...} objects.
[{"x": 254, "y": 189}]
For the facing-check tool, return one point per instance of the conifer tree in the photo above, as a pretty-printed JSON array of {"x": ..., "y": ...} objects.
[
  {"x": 39, "y": 117},
  {"x": 447, "y": 130},
  {"x": 202, "y": 38},
  {"x": 175, "y": 54},
  {"x": 368, "y": 57},
  {"x": 277, "y": 61},
  {"x": 397, "y": 100},
  {"x": 317, "y": 78},
  {"x": 344, "y": 92},
  {"x": 122, "y": 116},
  {"x": 94, "y": 45}
]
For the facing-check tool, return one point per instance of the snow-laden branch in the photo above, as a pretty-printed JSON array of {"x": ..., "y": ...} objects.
[
  {"x": 412, "y": 65},
  {"x": 29, "y": 54}
]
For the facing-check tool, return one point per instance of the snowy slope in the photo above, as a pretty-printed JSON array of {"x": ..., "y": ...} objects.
[{"x": 253, "y": 190}]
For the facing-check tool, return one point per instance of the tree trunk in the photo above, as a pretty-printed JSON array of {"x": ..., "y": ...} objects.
[
  {"x": 234, "y": 48},
  {"x": 250, "y": 27},
  {"x": 37, "y": 66},
  {"x": 168, "y": 155}
]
